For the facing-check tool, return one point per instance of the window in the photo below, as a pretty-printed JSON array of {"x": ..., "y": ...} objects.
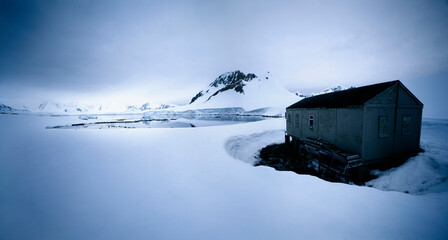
[
  {"x": 297, "y": 121},
  {"x": 311, "y": 118},
  {"x": 406, "y": 125},
  {"x": 383, "y": 126},
  {"x": 288, "y": 118}
]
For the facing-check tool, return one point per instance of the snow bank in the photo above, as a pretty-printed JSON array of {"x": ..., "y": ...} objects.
[{"x": 247, "y": 147}]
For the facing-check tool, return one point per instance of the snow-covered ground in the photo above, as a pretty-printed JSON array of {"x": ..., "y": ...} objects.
[{"x": 182, "y": 183}]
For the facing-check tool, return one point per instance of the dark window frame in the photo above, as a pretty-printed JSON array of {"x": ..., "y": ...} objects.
[
  {"x": 406, "y": 125},
  {"x": 383, "y": 126}
]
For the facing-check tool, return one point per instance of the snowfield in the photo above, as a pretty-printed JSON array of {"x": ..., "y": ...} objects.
[{"x": 184, "y": 183}]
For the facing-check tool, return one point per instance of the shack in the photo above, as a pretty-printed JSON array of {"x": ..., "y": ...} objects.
[{"x": 371, "y": 124}]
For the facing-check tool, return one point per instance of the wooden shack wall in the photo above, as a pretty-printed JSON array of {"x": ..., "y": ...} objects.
[
  {"x": 407, "y": 141},
  {"x": 350, "y": 123},
  {"x": 376, "y": 144},
  {"x": 341, "y": 127}
]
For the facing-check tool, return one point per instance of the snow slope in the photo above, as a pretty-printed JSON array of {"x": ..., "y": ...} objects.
[
  {"x": 247, "y": 147},
  {"x": 182, "y": 184},
  {"x": 236, "y": 89}
]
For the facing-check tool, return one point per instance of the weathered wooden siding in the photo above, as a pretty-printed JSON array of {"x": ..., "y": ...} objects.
[
  {"x": 376, "y": 146},
  {"x": 293, "y": 126},
  {"x": 387, "y": 97},
  {"x": 395, "y": 104},
  {"x": 340, "y": 127},
  {"x": 327, "y": 122},
  {"x": 299, "y": 123},
  {"x": 379, "y": 144},
  {"x": 306, "y": 130},
  {"x": 407, "y": 141},
  {"x": 349, "y": 129},
  {"x": 404, "y": 99},
  {"x": 408, "y": 124}
]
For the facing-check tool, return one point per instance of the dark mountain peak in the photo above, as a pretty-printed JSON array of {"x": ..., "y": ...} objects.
[
  {"x": 232, "y": 78},
  {"x": 200, "y": 94},
  {"x": 235, "y": 80},
  {"x": 6, "y": 109}
]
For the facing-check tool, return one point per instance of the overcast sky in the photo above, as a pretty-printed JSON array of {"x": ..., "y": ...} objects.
[{"x": 169, "y": 50}]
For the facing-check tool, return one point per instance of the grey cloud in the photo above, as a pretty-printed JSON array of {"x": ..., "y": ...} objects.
[{"x": 92, "y": 45}]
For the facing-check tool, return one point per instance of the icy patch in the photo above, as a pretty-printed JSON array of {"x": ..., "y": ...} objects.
[
  {"x": 426, "y": 172},
  {"x": 157, "y": 121},
  {"x": 87, "y": 117},
  {"x": 247, "y": 147}
]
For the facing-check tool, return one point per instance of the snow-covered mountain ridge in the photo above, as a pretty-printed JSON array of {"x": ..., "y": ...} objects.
[
  {"x": 76, "y": 108},
  {"x": 227, "y": 81},
  {"x": 247, "y": 91},
  {"x": 7, "y": 109},
  {"x": 4, "y": 108},
  {"x": 336, "y": 88}
]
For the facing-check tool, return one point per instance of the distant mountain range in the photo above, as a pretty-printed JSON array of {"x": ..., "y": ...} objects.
[
  {"x": 75, "y": 108},
  {"x": 326, "y": 90},
  {"x": 229, "y": 90},
  {"x": 5, "y": 108}
]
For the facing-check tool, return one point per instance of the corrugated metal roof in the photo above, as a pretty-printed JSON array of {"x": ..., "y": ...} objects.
[{"x": 350, "y": 97}]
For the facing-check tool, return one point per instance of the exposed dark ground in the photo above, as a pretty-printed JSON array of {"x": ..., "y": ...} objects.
[{"x": 281, "y": 158}]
